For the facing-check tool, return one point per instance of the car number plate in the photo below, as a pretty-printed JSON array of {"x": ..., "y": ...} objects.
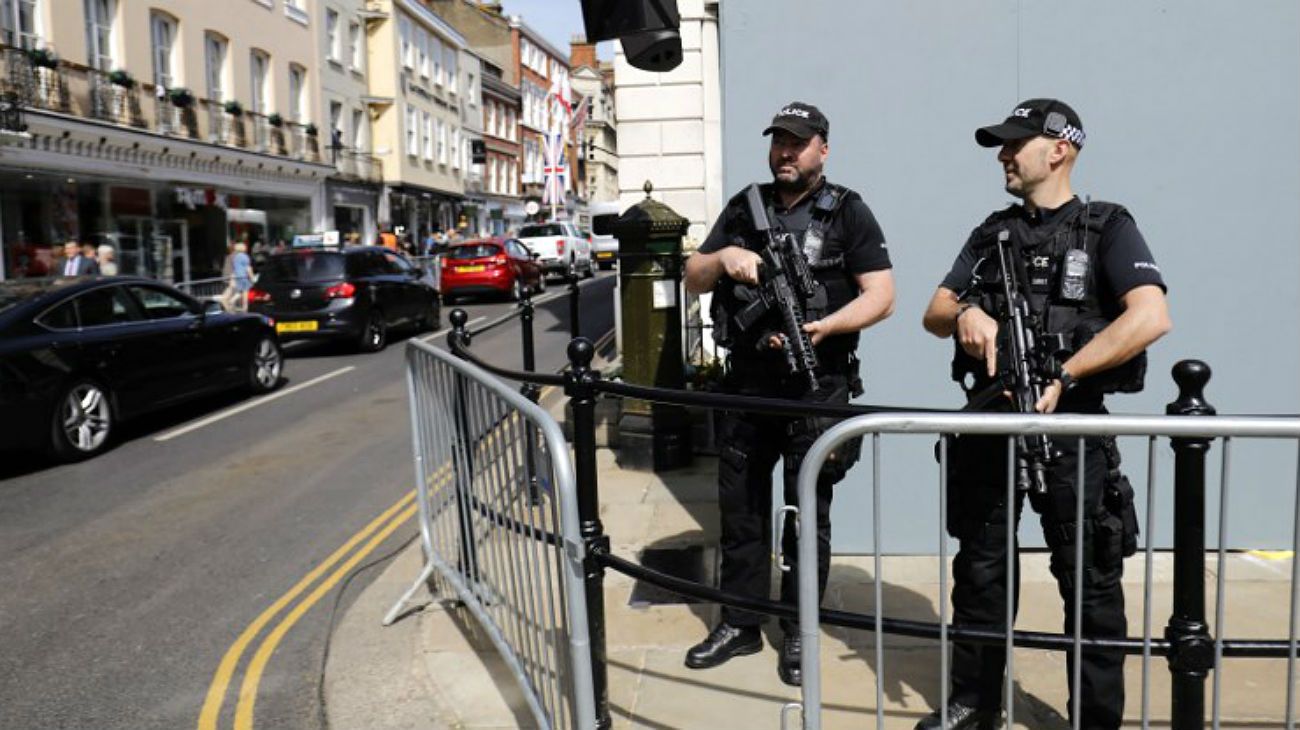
[
  {"x": 470, "y": 269},
  {"x": 309, "y": 326},
  {"x": 604, "y": 255}
]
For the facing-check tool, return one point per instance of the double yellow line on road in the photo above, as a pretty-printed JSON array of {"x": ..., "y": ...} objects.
[{"x": 340, "y": 562}]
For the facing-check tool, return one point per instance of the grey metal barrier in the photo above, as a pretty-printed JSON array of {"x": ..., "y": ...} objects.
[
  {"x": 1191, "y": 649},
  {"x": 499, "y": 527},
  {"x": 205, "y": 289}
]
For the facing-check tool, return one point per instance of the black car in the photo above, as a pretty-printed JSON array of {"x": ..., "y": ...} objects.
[
  {"x": 77, "y": 356},
  {"x": 355, "y": 294}
]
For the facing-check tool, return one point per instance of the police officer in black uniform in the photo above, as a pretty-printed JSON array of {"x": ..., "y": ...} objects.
[
  {"x": 846, "y": 250},
  {"x": 1093, "y": 284}
]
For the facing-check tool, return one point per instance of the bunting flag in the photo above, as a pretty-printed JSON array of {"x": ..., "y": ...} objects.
[{"x": 555, "y": 171}]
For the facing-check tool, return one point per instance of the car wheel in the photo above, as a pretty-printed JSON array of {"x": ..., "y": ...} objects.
[
  {"x": 374, "y": 336},
  {"x": 265, "y": 366},
  {"x": 516, "y": 290},
  {"x": 83, "y": 421},
  {"x": 590, "y": 270},
  {"x": 448, "y": 298},
  {"x": 541, "y": 284}
]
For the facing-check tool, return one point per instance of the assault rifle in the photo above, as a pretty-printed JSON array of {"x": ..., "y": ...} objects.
[
  {"x": 1025, "y": 368},
  {"x": 786, "y": 286}
]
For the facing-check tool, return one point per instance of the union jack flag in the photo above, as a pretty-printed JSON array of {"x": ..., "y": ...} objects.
[
  {"x": 580, "y": 116},
  {"x": 555, "y": 171}
]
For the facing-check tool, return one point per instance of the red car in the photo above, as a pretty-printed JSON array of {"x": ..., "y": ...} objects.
[{"x": 501, "y": 266}]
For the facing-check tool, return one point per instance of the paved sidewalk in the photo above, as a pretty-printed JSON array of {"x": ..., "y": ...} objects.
[{"x": 433, "y": 669}]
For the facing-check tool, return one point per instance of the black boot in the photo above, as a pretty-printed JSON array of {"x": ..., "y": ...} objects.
[
  {"x": 962, "y": 717},
  {"x": 724, "y": 642},
  {"x": 789, "y": 666}
]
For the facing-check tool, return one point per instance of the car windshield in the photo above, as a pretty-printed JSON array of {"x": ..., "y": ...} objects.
[
  {"x": 474, "y": 251},
  {"x": 603, "y": 225},
  {"x": 302, "y": 267},
  {"x": 545, "y": 229}
]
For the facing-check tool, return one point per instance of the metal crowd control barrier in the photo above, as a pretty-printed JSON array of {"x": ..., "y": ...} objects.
[
  {"x": 499, "y": 525},
  {"x": 1191, "y": 650},
  {"x": 204, "y": 289}
]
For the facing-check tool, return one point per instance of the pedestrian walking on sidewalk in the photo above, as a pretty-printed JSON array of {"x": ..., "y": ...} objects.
[
  {"x": 1090, "y": 283},
  {"x": 242, "y": 266},
  {"x": 845, "y": 248}
]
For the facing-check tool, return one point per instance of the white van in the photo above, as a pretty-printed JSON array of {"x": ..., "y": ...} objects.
[{"x": 604, "y": 247}]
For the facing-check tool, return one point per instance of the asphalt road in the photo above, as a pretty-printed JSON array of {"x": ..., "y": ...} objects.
[{"x": 128, "y": 578}]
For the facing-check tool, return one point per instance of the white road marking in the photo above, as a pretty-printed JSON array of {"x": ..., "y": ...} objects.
[{"x": 249, "y": 405}]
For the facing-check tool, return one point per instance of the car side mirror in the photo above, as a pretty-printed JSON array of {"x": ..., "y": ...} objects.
[
  {"x": 211, "y": 307},
  {"x": 534, "y": 255}
]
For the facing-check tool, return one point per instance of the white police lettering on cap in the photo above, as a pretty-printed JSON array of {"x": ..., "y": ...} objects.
[
  {"x": 1023, "y": 112},
  {"x": 793, "y": 112}
]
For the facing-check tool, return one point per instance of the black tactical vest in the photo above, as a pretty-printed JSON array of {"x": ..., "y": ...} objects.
[
  {"x": 730, "y": 297},
  {"x": 1061, "y": 267}
]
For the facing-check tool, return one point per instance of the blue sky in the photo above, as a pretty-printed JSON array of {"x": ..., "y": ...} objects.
[{"x": 556, "y": 20}]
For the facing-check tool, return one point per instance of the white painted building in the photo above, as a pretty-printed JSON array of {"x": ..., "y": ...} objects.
[{"x": 670, "y": 125}]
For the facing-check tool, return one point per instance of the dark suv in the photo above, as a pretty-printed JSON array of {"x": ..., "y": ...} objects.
[{"x": 354, "y": 294}]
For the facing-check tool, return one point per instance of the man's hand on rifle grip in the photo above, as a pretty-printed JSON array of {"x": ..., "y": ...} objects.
[
  {"x": 740, "y": 263},
  {"x": 817, "y": 331},
  {"x": 978, "y": 334}
]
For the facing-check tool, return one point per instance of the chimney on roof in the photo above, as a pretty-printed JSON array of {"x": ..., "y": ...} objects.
[{"x": 582, "y": 53}]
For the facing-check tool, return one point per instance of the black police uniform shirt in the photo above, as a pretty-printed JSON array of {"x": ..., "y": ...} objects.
[
  {"x": 853, "y": 232},
  {"x": 1123, "y": 256}
]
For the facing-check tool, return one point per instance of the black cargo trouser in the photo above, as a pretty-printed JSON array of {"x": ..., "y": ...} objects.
[
  {"x": 749, "y": 446},
  {"x": 978, "y": 519}
]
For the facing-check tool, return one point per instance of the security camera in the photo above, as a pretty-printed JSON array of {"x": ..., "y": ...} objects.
[{"x": 648, "y": 30}]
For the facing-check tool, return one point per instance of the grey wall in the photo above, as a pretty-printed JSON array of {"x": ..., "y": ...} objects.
[{"x": 1192, "y": 110}]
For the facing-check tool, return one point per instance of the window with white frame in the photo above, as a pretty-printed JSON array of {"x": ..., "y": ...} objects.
[
  {"x": 336, "y": 122},
  {"x": 164, "y": 40},
  {"x": 512, "y": 126},
  {"x": 428, "y": 136},
  {"x": 456, "y": 149},
  {"x": 99, "y": 33},
  {"x": 359, "y": 141},
  {"x": 356, "y": 47},
  {"x": 422, "y": 52},
  {"x": 449, "y": 60},
  {"x": 492, "y": 171},
  {"x": 332, "y": 35},
  {"x": 442, "y": 142},
  {"x": 19, "y": 23},
  {"x": 513, "y": 177},
  {"x": 490, "y": 120},
  {"x": 407, "y": 43},
  {"x": 435, "y": 53},
  {"x": 412, "y": 132},
  {"x": 214, "y": 64},
  {"x": 297, "y": 92},
  {"x": 259, "y": 67}
]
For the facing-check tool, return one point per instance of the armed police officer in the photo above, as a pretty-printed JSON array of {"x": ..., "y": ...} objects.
[
  {"x": 1089, "y": 300},
  {"x": 834, "y": 245}
]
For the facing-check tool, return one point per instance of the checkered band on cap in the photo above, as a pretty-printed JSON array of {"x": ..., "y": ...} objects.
[{"x": 1073, "y": 134}]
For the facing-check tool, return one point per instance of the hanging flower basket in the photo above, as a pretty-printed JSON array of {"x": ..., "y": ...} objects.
[
  {"x": 275, "y": 120},
  {"x": 121, "y": 77},
  {"x": 234, "y": 108},
  {"x": 43, "y": 58},
  {"x": 181, "y": 97},
  {"x": 311, "y": 130}
]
